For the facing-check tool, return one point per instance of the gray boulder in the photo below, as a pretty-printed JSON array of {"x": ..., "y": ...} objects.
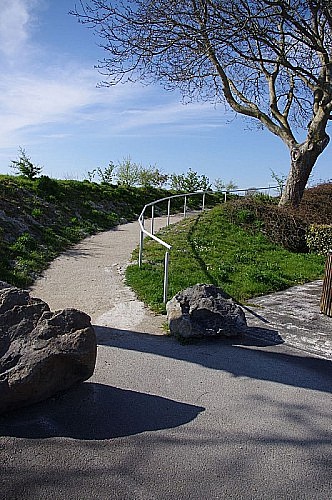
[
  {"x": 204, "y": 311},
  {"x": 41, "y": 352}
]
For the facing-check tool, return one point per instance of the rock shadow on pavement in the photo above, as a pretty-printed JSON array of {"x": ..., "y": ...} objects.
[
  {"x": 93, "y": 411},
  {"x": 248, "y": 356}
]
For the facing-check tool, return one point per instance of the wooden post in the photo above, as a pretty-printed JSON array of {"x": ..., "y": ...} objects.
[{"x": 326, "y": 299}]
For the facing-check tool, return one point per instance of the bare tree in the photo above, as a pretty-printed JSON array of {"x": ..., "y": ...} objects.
[{"x": 269, "y": 60}]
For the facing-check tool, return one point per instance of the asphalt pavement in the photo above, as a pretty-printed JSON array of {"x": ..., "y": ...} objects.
[{"x": 242, "y": 418}]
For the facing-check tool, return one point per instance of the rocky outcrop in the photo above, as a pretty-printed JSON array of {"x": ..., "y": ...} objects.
[
  {"x": 204, "y": 311},
  {"x": 41, "y": 352}
]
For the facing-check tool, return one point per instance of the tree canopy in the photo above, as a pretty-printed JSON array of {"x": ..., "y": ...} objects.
[{"x": 269, "y": 60}]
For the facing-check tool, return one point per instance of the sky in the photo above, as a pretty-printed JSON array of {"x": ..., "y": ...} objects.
[{"x": 51, "y": 106}]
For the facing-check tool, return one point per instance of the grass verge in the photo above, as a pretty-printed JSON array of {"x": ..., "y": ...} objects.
[{"x": 211, "y": 249}]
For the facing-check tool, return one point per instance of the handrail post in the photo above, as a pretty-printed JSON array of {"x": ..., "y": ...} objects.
[
  {"x": 152, "y": 219},
  {"x": 168, "y": 212},
  {"x": 140, "y": 254},
  {"x": 185, "y": 207},
  {"x": 166, "y": 277}
]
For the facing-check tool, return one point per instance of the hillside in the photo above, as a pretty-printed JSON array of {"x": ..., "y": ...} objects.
[{"x": 42, "y": 217}]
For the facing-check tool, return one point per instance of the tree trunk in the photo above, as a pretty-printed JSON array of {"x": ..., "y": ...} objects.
[{"x": 303, "y": 158}]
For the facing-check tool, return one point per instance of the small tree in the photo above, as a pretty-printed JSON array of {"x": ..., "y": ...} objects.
[
  {"x": 107, "y": 174},
  {"x": 128, "y": 172},
  {"x": 189, "y": 182},
  {"x": 219, "y": 184},
  {"x": 280, "y": 180},
  {"x": 230, "y": 186},
  {"x": 152, "y": 177},
  {"x": 91, "y": 174},
  {"x": 24, "y": 165}
]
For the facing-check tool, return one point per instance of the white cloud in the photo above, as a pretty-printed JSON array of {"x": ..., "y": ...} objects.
[
  {"x": 67, "y": 98},
  {"x": 15, "y": 22},
  {"x": 28, "y": 101},
  {"x": 193, "y": 116},
  {"x": 61, "y": 99}
]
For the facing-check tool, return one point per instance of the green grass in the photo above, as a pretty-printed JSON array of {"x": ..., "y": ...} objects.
[
  {"x": 210, "y": 249},
  {"x": 42, "y": 217}
]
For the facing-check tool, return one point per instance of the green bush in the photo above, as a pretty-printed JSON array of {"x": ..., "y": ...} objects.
[
  {"x": 281, "y": 226},
  {"x": 24, "y": 244},
  {"x": 47, "y": 186},
  {"x": 319, "y": 238}
]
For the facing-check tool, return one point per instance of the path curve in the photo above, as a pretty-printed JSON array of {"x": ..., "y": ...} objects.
[
  {"x": 220, "y": 419},
  {"x": 90, "y": 277}
]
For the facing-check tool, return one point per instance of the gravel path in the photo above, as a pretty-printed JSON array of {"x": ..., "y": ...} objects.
[{"x": 90, "y": 277}]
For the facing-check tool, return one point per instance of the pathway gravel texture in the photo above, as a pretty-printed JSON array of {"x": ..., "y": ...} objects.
[
  {"x": 90, "y": 277},
  {"x": 247, "y": 418}
]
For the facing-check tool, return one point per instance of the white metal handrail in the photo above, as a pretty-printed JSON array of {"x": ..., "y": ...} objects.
[
  {"x": 143, "y": 231},
  {"x": 151, "y": 234}
]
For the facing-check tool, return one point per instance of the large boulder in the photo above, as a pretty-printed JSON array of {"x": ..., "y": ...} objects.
[
  {"x": 41, "y": 352},
  {"x": 204, "y": 311}
]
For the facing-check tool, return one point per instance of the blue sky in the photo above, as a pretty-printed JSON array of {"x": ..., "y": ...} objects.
[{"x": 51, "y": 106}]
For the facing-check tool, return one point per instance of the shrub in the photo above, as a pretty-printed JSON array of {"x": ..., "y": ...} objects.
[
  {"x": 47, "y": 186},
  {"x": 281, "y": 226},
  {"x": 284, "y": 225},
  {"x": 316, "y": 204},
  {"x": 319, "y": 238}
]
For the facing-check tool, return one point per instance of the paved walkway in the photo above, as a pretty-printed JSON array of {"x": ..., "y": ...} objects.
[
  {"x": 293, "y": 316},
  {"x": 90, "y": 277},
  {"x": 219, "y": 419}
]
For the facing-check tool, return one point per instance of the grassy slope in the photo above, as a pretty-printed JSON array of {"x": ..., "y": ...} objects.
[
  {"x": 41, "y": 218},
  {"x": 211, "y": 249}
]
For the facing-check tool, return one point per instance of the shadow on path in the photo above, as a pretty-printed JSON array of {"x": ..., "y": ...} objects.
[
  {"x": 92, "y": 411},
  {"x": 242, "y": 357}
]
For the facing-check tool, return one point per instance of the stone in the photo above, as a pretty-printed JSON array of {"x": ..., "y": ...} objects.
[
  {"x": 41, "y": 352},
  {"x": 204, "y": 311}
]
